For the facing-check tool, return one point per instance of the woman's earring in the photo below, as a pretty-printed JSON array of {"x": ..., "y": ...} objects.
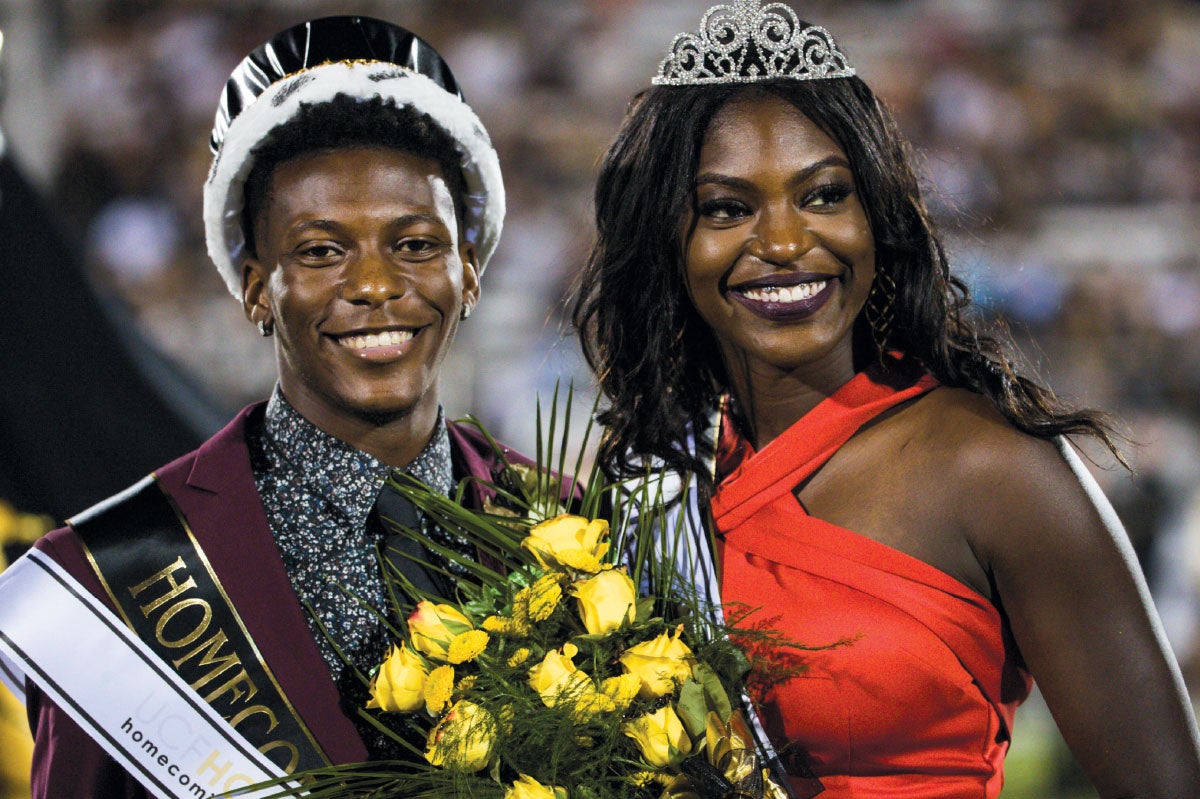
[
  {"x": 266, "y": 328},
  {"x": 881, "y": 309}
]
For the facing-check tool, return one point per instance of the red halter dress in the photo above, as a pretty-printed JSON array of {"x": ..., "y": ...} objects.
[{"x": 920, "y": 701}]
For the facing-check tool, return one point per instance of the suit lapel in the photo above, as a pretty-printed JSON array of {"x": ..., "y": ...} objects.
[{"x": 216, "y": 493}]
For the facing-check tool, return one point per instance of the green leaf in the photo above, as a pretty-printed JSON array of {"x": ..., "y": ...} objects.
[
  {"x": 644, "y": 609},
  {"x": 715, "y": 694},
  {"x": 692, "y": 709}
]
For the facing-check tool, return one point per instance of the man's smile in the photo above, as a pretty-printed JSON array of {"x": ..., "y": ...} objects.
[{"x": 383, "y": 338}]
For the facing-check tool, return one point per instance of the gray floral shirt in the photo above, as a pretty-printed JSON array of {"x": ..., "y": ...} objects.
[{"x": 318, "y": 493}]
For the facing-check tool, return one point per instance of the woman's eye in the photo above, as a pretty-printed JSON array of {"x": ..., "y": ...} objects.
[
  {"x": 723, "y": 209},
  {"x": 828, "y": 194}
]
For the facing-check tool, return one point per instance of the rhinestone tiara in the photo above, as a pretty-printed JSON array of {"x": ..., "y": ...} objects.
[{"x": 747, "y": 42}]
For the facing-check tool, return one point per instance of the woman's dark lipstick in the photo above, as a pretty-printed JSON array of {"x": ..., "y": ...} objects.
[{"x": 784, "y": 298}]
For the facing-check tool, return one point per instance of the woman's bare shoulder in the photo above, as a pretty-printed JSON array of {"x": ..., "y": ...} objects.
[
  {"x": 1008, "y": 485},
  {"x": 972, "y": 440}
]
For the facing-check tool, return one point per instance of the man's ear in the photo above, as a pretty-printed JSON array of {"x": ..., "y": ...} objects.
[
  {"x": 254, "y": 294},
  {"x": 470, "y": 274}
]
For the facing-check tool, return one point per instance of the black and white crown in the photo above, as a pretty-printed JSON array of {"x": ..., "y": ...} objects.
[
  {"x": 747, "y": 42},
  {"x": 312, "y": 63}
]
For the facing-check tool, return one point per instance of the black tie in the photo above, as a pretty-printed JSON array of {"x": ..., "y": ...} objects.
[{"x": 400, "y": 549}]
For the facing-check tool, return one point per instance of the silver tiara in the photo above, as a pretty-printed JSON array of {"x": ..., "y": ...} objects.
[{"x": 746, "y": 42}]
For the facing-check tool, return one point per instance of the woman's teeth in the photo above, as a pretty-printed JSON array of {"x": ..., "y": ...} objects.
[
  {"x": 388, "y": 338},
  {"x": 785, "y": 294}
]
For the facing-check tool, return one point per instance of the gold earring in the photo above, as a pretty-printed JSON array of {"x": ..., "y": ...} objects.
[{"x": 880, "y": 308}]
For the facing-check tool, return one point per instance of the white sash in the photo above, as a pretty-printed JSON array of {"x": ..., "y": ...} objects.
[{"x": 136, "y": 708}]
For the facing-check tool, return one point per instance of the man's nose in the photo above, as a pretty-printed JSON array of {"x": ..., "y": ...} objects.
[{"x": 372, "y": 279}]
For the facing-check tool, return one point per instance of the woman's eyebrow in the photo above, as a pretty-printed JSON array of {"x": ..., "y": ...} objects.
[{"x": 721, "y": 179}]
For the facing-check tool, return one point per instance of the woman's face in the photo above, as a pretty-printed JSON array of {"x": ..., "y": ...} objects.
[{"x": 782, "y": 257}]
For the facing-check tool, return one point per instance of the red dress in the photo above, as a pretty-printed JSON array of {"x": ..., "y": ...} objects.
[{"x": 920, "y": 703}]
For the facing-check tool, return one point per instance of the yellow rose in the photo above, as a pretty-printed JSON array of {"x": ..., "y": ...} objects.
[
  {"x": 557, "y": 680},
  {"x": 433, "y": 627},
  {"x": 527, "y": 787},
  {"x": 661, "y": 664},
  {"x": 606, "y": 601},
  {"x": 463, "y": 738},
  {"x": 660, "y": 736},
  {"x": 399, "y": 684},
  {"x": 569, "y": 541},
  {"x": 556, "y": 677}
]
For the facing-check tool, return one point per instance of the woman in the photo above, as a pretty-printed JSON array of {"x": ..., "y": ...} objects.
[{"x": 879, "y": 475}]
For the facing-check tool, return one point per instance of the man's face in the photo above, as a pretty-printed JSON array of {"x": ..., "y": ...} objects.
[{"x": 361, "y": 270}]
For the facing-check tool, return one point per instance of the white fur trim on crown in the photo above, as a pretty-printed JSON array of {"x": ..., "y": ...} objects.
[{"x": 223, "y": 191}]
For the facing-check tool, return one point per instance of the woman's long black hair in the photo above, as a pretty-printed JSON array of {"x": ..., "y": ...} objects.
[{"x": 655, "y": 358}]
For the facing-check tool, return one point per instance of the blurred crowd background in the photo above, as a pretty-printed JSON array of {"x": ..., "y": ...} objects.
[{"x": 1060, "y": 142}]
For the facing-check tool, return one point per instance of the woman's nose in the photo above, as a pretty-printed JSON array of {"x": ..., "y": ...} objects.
[{"x": 781, "y": 236}]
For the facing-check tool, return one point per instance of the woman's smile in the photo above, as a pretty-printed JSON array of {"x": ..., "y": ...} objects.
[{"x": 784, "y": 297}]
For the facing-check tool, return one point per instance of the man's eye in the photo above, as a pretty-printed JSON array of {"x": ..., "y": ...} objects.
[
  {"x": 417, "y": 246},
  {"x": 318, "y": 252}
]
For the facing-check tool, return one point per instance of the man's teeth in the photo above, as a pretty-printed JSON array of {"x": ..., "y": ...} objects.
[
  {"x": 388, "y": 338},
  {"x": 784, "y": 294}
]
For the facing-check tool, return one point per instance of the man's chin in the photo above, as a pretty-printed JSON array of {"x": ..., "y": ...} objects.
[
  {"x": 384, "y": 411},
  {"x": 381, "y": 417},
  {"x": 339, "y": 407}
]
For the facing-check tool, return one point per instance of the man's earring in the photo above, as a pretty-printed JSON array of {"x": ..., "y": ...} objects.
[
  {"x": 266, "y": 328},
  {"x": 466, "y": 311}
]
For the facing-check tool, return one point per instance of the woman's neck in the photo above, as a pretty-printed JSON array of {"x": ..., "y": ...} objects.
[{"x": 771, "y": 400}]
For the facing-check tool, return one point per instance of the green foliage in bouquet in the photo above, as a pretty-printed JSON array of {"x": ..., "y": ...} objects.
[{"x": 548, "y": 675}]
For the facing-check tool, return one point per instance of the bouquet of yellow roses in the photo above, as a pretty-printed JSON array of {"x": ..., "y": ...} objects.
[{"x": 549, "y": 676}]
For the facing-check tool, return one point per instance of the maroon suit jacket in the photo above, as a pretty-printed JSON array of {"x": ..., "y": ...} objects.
[{"x": 214, "y": 489}]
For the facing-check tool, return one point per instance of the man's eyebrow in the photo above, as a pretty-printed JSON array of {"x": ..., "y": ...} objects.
[
  {"x": 402, "y": 220},
  {"x": 410, "y": 219}
]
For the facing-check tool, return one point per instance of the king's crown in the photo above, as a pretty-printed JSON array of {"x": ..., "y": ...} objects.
[{"x": 746, "y": 42}]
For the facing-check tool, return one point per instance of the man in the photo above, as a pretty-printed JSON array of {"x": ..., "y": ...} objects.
[{"x": 353, "y": 202}]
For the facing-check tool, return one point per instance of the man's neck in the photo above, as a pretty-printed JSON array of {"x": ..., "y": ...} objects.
[{"x": 395, "y": 442}]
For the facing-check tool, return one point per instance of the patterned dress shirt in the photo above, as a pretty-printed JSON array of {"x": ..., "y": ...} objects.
[{"x": 318, "y": 493}]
